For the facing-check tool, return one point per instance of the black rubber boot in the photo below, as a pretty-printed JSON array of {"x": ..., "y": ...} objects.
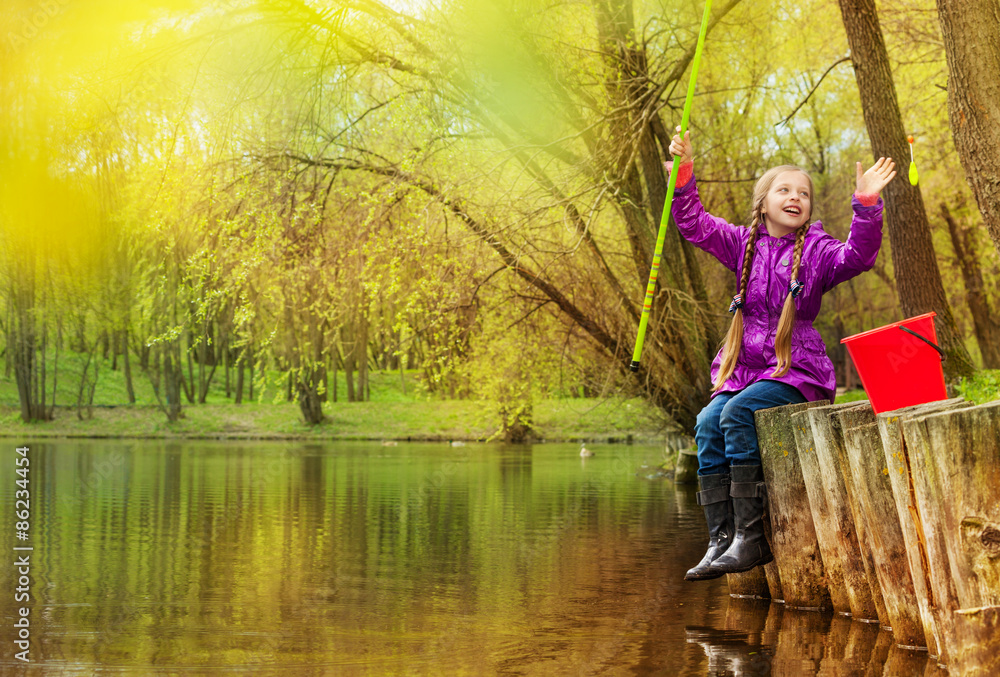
[
  {"x": 714, "y": 498},
  {"x": 749, "y": 548}
]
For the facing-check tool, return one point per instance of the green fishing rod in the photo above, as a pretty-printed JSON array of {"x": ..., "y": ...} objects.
[{"x": 671, "y": 185}]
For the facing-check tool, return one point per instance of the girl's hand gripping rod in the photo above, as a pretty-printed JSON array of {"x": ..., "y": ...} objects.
[{"x": 671, "y": 185}]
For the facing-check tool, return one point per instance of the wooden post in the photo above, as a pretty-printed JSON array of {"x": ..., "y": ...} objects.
[
  {"x": 847, "y": 530},
  {"x": 751, "y": 583},
  {"x": 955, "y": 468},
  {"x": 874, "y": 497},
  {"x": 822, "y": 509},
  {"x": 897, "y": 461},
  {"x": 842, "y": 420},
  {"x": 686, "y": 469},
  {"x": 793, "y": 537},
  {"x": 979, "y": 630}
]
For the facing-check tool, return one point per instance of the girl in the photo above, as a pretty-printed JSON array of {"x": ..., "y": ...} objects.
[{"x": 772, "y": 355}]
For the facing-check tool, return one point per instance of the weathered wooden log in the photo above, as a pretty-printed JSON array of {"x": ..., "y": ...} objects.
[
  {"x": 847, "y": 530},
  {"x": 910, "y": 520},
  {"x": 965, "y": 446},
  {"x": 822, "y": 511},
  {"x": 955, "y": 470},
  {"x": 686, "y": 469},
  {"x": 977, "y": 654},
  {"x": 751, "y": 583},
  {"x": 793, "y": 536},
  {"x": 873, "y": 494}
]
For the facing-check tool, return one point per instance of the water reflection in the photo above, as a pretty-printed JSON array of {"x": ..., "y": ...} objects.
[
  {"x": 761, "y": 638},
  {"x": 361, "y": 559}
]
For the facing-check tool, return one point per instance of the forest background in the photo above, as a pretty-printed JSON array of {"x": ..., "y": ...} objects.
[{"x": 207, "y": 202}]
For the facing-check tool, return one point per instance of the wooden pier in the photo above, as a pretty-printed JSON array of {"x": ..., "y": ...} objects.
[{"x": 891, "y": 518}]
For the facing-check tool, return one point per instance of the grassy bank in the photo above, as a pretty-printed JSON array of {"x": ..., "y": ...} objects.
[
  {"x": 555, "y": 420},
  {"x": 399, "y": 409}
]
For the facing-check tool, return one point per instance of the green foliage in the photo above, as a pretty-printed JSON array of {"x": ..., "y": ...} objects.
[
  {"x": 302, "y": 188},
  {"x": 982, "y": 387}
]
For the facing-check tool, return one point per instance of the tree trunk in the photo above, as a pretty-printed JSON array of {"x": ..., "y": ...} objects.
[
  {"x": 173, "y": 377},
  {"x": 250, "y": 394},
  {"x": 27, "y": 351},
  {"x": 187, "y": 385},
  {"x": 226, "y": 365},
  {"x": 349, "y": 375},
  {"x": 971, "y": 32},
  {"x": 308, "y": 393},
  {"x": 918, "y": 279},
  {"x": 983, "y": 319},
  {"x": 361, "y": 352},
  {"x": 333, "y": 368},
  {"x": 239, "y": 380},
  {"x": 129, "y": 387}
]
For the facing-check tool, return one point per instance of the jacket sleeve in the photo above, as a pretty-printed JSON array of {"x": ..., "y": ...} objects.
[
  {"x": 844, "y": 260},
  {"x": 722, "y": 240}
]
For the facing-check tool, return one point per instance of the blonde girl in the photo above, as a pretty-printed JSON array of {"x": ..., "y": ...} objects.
[{"x": 772, "y": 354}]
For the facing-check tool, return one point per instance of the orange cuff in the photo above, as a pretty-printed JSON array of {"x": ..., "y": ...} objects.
[
  {"x": 684, "y": 173},
  {"x": 867, "y": 199}
]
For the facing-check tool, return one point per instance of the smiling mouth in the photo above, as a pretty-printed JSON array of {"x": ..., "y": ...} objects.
[{"x": 792, "y": 210}]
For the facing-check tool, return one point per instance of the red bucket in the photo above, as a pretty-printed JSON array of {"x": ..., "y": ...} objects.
[{"x": 899, "y": 364}]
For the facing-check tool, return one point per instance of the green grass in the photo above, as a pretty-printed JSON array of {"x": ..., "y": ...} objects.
[
  {"x": 111, "y": 390},
  {"x": 852, "y": 396},
  {"x": 554, "y": 420},
  {"x": 981, "y": 387},
  {"x": 399, "y": 409}
]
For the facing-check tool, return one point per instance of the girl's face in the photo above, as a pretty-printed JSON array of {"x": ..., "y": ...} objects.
[{"x": 788, "y": 203}]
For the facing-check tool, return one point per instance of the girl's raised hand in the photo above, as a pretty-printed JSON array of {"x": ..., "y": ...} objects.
[
  {"x": 875, "y": 179},
  {"x": 681, "y": 147}
]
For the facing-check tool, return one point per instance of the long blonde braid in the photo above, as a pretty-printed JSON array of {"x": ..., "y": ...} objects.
[
  {"x": 783, "y": 336},
  {"x": 734, "y": 337}
]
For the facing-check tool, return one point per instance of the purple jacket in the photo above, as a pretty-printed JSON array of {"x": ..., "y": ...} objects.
[{"x": 826, "y": 262}]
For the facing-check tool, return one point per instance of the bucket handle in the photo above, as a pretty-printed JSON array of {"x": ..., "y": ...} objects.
[{"x": 925, "y": 340}]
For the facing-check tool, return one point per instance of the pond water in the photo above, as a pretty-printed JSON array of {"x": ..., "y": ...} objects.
[{"x": 363, "y": 559}]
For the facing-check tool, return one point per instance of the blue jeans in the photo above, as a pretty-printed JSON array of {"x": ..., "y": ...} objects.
[{"x": 725, "y": 431}]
